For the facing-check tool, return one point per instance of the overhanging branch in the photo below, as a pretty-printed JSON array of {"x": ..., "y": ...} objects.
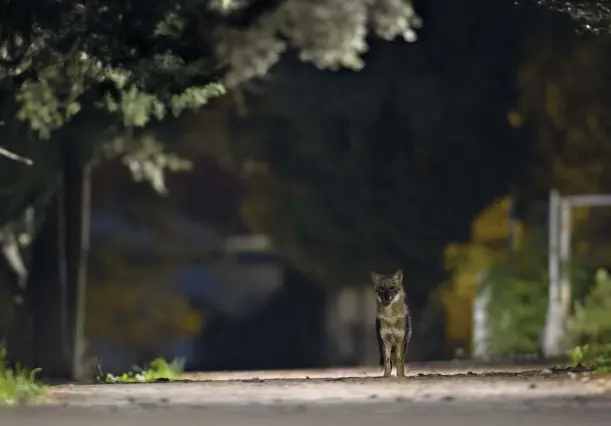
[{"x": 11, "y": 155}]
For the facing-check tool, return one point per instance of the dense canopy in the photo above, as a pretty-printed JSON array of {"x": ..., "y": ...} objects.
[
  {"x": 55, "y": 50},
  {"x": 593, "y": 15}
]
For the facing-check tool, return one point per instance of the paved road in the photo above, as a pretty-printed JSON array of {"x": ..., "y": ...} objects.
[{"x": 338, "y": 398}]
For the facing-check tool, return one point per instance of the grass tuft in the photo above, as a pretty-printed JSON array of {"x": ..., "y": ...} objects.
[
  {"x": 597, "y": 356},
  {"x": 19, "y": 385}
]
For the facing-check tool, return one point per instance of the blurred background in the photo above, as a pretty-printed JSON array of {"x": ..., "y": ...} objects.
[{"x": 241, "y": 234}]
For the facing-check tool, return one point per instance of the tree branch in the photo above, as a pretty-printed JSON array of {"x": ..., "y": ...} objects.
[
  {"x": 6, "y": 153},
  {"x": 593, "y": 15}
]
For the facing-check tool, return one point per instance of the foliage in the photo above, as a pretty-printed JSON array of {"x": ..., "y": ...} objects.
[
  {"x": 365, "y": 168},
  {"x": 590, "y": 322},
  {"x": 147, "y": 161},
  {"x": 519, "y": 295},
  {"x": 517, "y": 316},
  {"x": 109, "y": 67},
  {"x": 331, "y": 34},
  {"x": 165, "y": 55},
  {"x": 17, "y": 385},
  {"x": 580, "y": 355},
  {"x": 467, "y": 262},
  {"x": 592, "y": 15},
  {"x": 136, "y": 63},
  {"x": 158, "y": 369},
  {"x": 53, "y": 82},
  {"x": 566, "y": 107},
  {"x": 598, "y": 356}
]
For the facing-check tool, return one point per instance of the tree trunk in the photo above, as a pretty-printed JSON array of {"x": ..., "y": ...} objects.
[
  {"x": 58, "y": 278},
  {"x": 48, "y": 293},
  {"x": 19, "y": 330},
  {"x": 77, "y": 204}
]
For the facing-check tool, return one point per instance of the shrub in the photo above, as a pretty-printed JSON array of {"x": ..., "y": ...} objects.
[
  {"x": 590, "y": 323},
  {"x": 518, "y": 282}
]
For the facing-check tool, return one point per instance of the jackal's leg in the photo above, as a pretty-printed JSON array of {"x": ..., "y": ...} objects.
[
  {"x": 400, "y": 362},
  {"x": 387, "y": 359},
  {"x": 380, "y": 343}
]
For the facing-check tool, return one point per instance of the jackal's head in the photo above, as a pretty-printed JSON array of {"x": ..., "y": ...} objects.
[{"x": 388, "y": 287}]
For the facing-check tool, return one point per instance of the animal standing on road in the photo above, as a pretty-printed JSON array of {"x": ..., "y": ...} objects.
[{"x": 393, "y": 321}]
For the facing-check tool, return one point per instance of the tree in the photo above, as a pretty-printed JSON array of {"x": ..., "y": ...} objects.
[
  {"x": 352, "y": 171},
  {"x": 331, "y": 34},
  {"x": 120, "y": 64},
  {"x": 566, "y": 108},
  {"x": 64, "y": 62},
  {"x": 491, "y": 232},
  {"x": 563, "y": 103},
  {"x": 593, "y": 15},
  {"x": 141, "y": 62}
]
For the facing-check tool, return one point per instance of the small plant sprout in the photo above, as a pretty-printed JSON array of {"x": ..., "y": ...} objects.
[{"x": 158, "y": 370}]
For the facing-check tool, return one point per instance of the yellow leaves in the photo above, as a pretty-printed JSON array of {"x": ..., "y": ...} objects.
[
  {"x": 454, "y": 255},
  {"x": 492, "y": 225},
  {"x": 490, "y": 231},
  {"x": 459, "y": 318}
]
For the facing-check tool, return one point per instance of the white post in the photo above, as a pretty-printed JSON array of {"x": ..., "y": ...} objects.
[
  {"x": 554, "y": 307},
  {"x": 480, "y": 320},
  {"x": 565, "y": 269}
]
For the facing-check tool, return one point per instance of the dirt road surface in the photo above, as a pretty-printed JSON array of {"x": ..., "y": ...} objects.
[{"x": 428, "y": 397}]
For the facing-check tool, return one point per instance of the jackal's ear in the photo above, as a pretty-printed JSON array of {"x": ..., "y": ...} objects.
[
  {"x": 375, "y": 277},
  {"x": 398, "y": 276}
]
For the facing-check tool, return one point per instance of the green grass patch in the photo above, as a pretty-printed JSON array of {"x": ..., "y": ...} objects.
[
  {"x": 157, "y": 370},
  {"x": 597, "y": 356},
  {"x": 18, "y": 385}
]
